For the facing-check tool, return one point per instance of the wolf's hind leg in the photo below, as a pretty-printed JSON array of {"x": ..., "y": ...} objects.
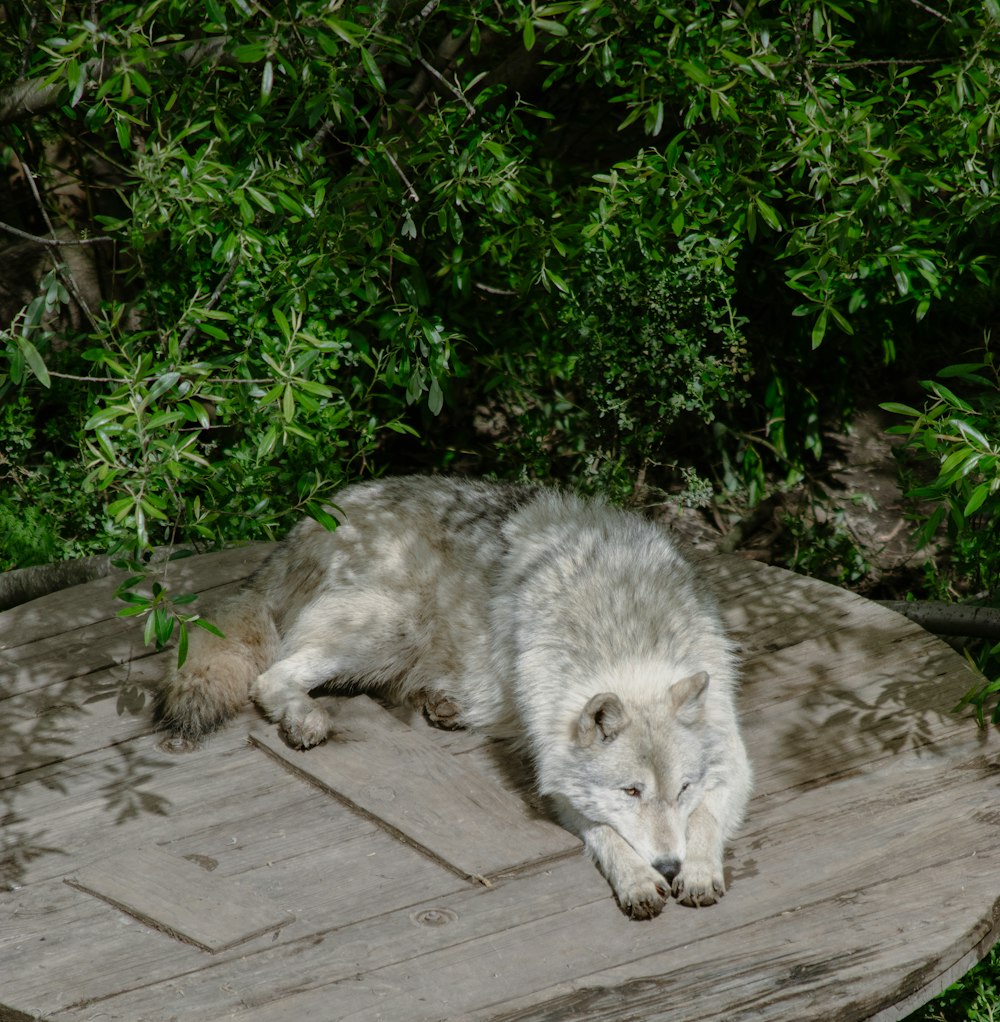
[
  {"x": 439, "y": 710},
  {"x": 282, "y": 692}
]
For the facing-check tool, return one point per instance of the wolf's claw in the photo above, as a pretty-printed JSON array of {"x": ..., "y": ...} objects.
[
  {"x": 308, "y": 731},
  {"x": 644, "y": 899},
  {"x": 698, "y": 884}
]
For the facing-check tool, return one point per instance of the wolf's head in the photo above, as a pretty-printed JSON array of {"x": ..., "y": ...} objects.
[{"x": 641, "y": 767}]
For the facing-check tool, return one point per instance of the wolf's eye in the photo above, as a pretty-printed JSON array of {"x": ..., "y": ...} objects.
[
  {"x": 684, "y": 787},
  {"x": 633, "y": 792}
]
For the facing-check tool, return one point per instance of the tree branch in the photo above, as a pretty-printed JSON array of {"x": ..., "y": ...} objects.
[
  {"x": 35, "y": 95},
  {"x": 930, "y": 10},
  {"x": 212, "y": 302},
  {"x": 54, "y": 242},
  {"x": 949, "y": 618}
]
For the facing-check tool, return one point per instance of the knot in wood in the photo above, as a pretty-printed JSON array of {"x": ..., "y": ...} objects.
[{"x": 434, "y": 917}]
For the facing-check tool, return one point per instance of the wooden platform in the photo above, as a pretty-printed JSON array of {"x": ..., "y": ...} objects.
[{"x": 401, "y": 872}]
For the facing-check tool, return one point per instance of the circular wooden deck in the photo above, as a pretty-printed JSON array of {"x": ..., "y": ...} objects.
[{"x": 398, "y": 874}]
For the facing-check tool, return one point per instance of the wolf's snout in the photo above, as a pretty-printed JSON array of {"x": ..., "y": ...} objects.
[{"x": 669, "y": 866}]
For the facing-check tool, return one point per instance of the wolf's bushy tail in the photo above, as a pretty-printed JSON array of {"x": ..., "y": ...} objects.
[{"x": 213, "y": 683}]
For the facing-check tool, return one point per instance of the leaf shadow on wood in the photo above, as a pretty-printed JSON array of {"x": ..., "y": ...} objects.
[
  {"x": 834, "y": 693},
  {"x": 44, "y": 730}
]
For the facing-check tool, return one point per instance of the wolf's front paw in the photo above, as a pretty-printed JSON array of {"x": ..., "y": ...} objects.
[
  {"x": 643, "y": 894},
  {"x": 305, "y": 732},
  {"x": 700, "y": 882}
]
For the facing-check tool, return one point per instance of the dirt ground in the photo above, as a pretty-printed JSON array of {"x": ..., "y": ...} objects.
[{"x": 860, "y": 499}]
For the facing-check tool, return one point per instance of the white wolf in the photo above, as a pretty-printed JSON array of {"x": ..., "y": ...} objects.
[{"x": 572, "y": 625}]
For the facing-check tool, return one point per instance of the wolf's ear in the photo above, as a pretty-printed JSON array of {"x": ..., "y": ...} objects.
[
  {"x": 687, "y": 696},
  {"x": 603, "y": 717}
]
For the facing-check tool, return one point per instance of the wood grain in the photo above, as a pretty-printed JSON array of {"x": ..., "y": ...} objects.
[
  {"x": 402, "y": 781},
  {"x": 865, "y": 877},
  {"x": 180, "y": 898}
]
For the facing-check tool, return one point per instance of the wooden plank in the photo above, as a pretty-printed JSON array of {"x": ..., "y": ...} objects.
[
  {"x": 266, "y": 973},
  {"x": 562, "y": 923},
  {"x": 793, "y": 963},
  {"x": 784, "y": 967},
  {"x": 179, "y": 898},
  {"x": 836, "y": 714},
  {"x": 401, "y": 780},
  {"x": 768, "y": 608},
  {"x": 95, "y": 645},
  {"x": 91, "y": 602},
  {"x": 138, "y": 793},
  {"x": 787, "y": 968},
  {"x": 306, "y": 856},
  {"x": 75, "y": 716}
]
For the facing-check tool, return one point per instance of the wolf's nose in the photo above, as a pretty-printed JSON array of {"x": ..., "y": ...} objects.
[{"x": 669, "y": 866}]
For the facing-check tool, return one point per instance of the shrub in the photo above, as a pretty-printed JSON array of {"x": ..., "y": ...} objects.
[
  {"x": 330, "y": 229},
  {"x": 958, "y": 432}
]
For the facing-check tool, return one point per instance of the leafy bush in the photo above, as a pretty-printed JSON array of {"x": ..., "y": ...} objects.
[
  {"x": 645, "y": 351},
  {"x": 332, "y": 228},
  {"x": 958, "y": 432},
  {"x": 974, "y": 998}
]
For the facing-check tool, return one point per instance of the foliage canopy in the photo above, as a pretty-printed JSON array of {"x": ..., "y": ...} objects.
[{"x": 631, "y": 236}]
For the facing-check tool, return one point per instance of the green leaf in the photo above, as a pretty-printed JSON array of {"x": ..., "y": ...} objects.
[
  {"x": 556, "y": 28},
  {"x": 34, "y": 361},
  {"x": 528, "y": 34},
  {"x": 133, "y": 610},
  {"x": 182, "y": 644},
  {"x": 696, "y": 72},
  {"x": 250, "y": 53},
  {"x": 978, "y": 498},
  {"x": 282, "y": 321},
  {"x": 149, "y": 632},
  {"x": 372, "y": 69},
  {"x": 966, "y": 370},
  {"x": 435, "y": 397},
  {"x": 899, "y": 409},
  {"x": 819, "y": 329},
  {"x": 209, "y": 627},
  {"x": 347, "y": 30},
  {"x": 321, "y": 515},
  {"x": 970, "y": 433},
  {"x": 771, "y": 217},
  {"x": 161, "y": 386},
  {"x": 557, "y": 280},
  {"x": 122, "y": 131}
]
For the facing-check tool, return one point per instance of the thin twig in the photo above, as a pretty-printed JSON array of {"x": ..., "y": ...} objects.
[
  {"x": 216, "y": 295},
  {"x": 424, "y": 13},
  {"x": 53, "y": 242},
  {"x": 84, "y": 379},
  {"x": 399, "y": 170},
  {"x": 930, "y": 10},
  {"x": 113, "y": 379},
  {"x": 392, "y": 159},
  {"x": 844, "y": 64},
  {"x": 65, "y": 275},
  {"x": 444, "y": 81},
  {"x": 493, "y": 290}
]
